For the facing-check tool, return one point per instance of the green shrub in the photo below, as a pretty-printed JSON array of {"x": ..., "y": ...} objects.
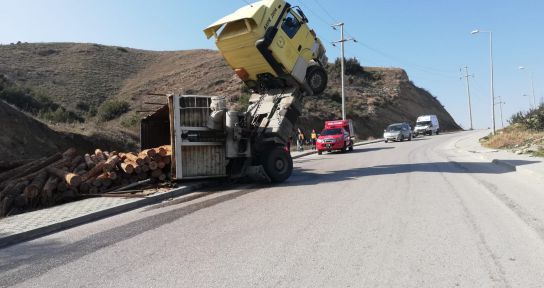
[
  {"x": 60, "y": 115},
  {"x": 131, "y": 120},
  {"x": 533, "y": 119},
  {"x": 82, "y": 106},
  {"x": 336, "y": 96},
  {"x": 92, "y": 111},
  {"x": 352, "y": 66},
  {"x": 27, "y": 100},
  {"x": 112, "y": 109}
]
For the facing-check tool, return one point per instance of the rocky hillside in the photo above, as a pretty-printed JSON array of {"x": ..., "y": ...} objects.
[{"x": 79, "y": 80}]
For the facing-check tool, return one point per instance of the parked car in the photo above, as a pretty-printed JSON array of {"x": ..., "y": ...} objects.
[
  {"x": 427, "y": 125},
  {"x": 397, "y": 132}
]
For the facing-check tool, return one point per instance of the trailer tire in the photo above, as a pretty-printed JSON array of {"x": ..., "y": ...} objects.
[
  {"x": 316, "y": 77},
  {"x": 278, "y": 164}
]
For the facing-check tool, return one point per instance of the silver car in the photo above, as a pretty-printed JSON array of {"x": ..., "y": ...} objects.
[{"x": 398, "y": 132}]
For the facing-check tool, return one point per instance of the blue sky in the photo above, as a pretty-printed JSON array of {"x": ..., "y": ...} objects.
[{"x": 430, "y": 39}]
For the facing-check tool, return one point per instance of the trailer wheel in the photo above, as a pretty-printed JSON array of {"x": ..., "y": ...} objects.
[
  {"x": 278, "y": 164},
  {"x": 316, "y": 77}
]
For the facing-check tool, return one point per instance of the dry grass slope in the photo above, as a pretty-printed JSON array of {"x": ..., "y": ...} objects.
[{"x": 77, "y": 75}]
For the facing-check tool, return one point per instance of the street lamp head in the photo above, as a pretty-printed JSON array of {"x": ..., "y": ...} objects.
[{"x": 475, "y": 31}]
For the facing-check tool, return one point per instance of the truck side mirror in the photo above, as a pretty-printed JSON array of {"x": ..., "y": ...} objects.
[{"x": 304, "y": 19}]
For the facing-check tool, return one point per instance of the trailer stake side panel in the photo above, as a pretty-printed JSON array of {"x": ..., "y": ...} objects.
[{"x": 200, "y": 151}]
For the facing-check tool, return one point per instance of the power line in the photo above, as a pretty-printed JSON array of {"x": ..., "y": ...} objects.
[
  {"x": 326, "y": 12},
  {"x": 421, "y": 68},
  {"x": 245, "y": 1}
]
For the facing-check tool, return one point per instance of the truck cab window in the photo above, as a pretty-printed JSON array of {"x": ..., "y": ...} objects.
[{"x": 290, "y": 25}]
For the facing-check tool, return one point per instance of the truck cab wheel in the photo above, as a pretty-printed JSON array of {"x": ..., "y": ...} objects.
[
  {"x": 278, "y": 164},
  {"x": 316, "y": 77}
]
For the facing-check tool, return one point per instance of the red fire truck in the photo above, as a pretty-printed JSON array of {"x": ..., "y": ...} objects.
[{"x": 337, "y": 135}]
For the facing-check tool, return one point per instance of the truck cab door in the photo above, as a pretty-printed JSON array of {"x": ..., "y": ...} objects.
[{"x": 290, "y": 41}]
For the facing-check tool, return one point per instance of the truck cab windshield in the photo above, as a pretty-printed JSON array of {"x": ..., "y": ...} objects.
[
  {"x": 328, "y": 132},
  {"x": 423, "y": 123}
]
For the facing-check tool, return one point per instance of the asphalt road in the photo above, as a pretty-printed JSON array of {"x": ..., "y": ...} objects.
[{"x": 413, "y": 214}]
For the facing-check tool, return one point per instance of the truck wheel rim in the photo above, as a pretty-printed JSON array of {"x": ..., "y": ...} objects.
[
  {"x": 279, "y": 164},
  {"x": 315, "y": 80}
]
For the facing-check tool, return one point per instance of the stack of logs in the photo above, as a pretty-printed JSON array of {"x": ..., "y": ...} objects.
[{"x": 63, "y": 177}]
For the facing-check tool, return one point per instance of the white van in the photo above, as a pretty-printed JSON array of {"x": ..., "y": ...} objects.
[{"x": 427, "y": 125}]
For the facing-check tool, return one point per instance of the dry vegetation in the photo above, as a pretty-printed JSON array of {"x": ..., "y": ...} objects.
[
  {"x": 525, "y": 135},
  {"x": 106, "y": 90}
]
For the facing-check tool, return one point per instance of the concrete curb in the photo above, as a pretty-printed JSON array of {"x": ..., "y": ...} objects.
[
  {"x": 355, "y": 144},
  {"x": 477, "y": 153},
  {"x": 56, "y": 227},
  {"x": 153, "y": 199}
]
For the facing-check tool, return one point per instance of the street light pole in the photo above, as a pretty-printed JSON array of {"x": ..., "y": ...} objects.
[
  {"x": 529, "y": 101},
  {"x": 468, "y": 94},
  {"x": 492, "y": 89},
  {"x": 341, "y": 41}
]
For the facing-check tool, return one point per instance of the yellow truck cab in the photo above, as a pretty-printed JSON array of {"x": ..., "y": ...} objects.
[{"x": 269, "y": 45}]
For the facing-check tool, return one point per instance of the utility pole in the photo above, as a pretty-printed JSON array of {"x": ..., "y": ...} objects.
[
  {"x": 468, "y": 95},
  {"x": 500, "y": 106},
  {"x": 341, "y": 41}
]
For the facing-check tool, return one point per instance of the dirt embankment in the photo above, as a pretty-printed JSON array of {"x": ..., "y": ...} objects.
[{"x": 81, "y": 77}]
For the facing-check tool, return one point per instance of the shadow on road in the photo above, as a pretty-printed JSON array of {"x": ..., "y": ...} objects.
[
  {"x": 309, "y": 177},
  {"x": 43, "y": 257},
  {"x": 359, "y": 150}
]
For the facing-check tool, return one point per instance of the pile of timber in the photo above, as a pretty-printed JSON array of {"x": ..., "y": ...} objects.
[{"x": 63, "y": 177}]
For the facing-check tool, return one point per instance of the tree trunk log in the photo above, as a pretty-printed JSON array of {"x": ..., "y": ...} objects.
[
  {"x": 90, "y": 163},
  {"x": 30, "y": 167},
  {"x": 127, "y": 167},
  {"x": 110, "y": 163},
  {"x": 8, "y": 165},
  {"x": 33, "y": 190},
  {"x": 70, "y": 178},
  {"x": 94, "y": 171}
]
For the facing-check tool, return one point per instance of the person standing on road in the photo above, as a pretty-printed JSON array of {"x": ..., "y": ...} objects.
[
  {"x": 313, "y": 136},
  {"x": 300, "y": 140}
]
